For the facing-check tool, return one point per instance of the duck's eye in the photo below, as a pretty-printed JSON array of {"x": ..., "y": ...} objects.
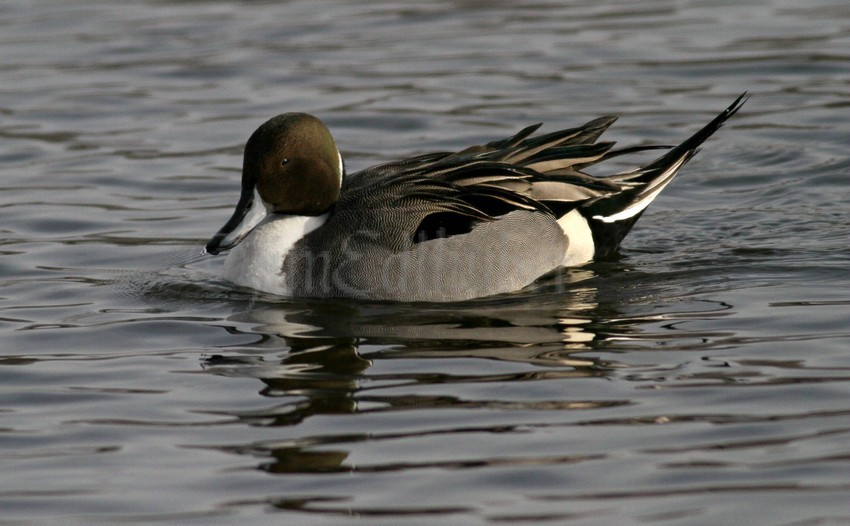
[{"x": 284, "y": 162}]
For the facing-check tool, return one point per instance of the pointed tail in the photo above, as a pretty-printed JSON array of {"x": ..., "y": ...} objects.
[{"x": 611, "y": 217}]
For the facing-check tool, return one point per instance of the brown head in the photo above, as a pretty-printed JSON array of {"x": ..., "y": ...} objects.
[
  {"x": 291, "y": 166},
  {"x": 294, "y": 163}
]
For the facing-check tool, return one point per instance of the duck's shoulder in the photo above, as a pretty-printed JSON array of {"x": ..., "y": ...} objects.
[
  {"x": 519, "y": 172},
  {"x": 390, "y": 176},
  {"x": 439, "y": 194}
]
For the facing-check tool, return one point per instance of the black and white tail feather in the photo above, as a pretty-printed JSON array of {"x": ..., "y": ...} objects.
[
  {"x": 443, "y": 194},
  {"x": 611, "y": 217}
]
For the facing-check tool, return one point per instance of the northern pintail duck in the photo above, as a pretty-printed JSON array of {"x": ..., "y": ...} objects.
[{"x": 442, "y": 226}]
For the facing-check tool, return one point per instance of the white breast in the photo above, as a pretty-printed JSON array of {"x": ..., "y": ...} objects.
[{"x": 257, "y": 261}]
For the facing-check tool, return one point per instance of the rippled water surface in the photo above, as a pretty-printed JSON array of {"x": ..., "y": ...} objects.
[{"x": 699, "y": 378}]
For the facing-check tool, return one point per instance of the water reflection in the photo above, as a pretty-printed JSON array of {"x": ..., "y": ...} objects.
[{"x": 338, "y": 358}]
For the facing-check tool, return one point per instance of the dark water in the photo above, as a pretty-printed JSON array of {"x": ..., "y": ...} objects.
[{"x": 701, "y": 378}]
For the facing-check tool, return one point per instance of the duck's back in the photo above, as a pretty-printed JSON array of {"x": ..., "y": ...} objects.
[
  {"x": 399, "y": 237},
  {"x": 499, "y": 256}
]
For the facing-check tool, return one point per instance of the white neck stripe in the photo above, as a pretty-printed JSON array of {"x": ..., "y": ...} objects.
[{"x": 341, "y": 167}]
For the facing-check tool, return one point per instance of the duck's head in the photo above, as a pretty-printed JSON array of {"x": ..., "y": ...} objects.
[{"x": 291, "y": 166}]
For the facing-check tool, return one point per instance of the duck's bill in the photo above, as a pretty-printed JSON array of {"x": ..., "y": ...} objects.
[{"x": 248, "y": 214}]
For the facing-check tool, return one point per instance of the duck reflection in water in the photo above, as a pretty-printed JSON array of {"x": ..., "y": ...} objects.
[{"x": 314, "y": 356}]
